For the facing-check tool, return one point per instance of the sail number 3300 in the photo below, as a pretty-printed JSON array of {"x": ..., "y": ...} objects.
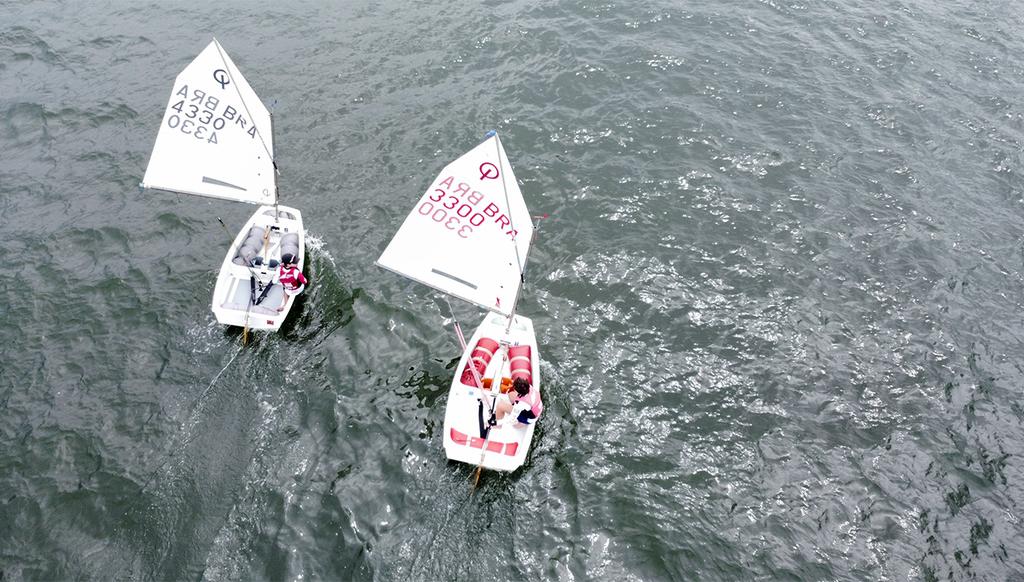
[{"x": 461, "y": 209}]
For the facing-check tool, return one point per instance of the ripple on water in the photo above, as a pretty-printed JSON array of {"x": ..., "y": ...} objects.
[{"x": 778, "y": 298}]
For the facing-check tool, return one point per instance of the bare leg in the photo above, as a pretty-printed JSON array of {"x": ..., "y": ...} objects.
[
  {"x": 503, "y": 407},
  {"x": 284, "y": 303}
]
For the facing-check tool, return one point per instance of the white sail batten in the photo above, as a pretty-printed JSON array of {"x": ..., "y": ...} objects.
[
  {"x": 215, "y": 139},
  {"x": 463, "y": 235}
]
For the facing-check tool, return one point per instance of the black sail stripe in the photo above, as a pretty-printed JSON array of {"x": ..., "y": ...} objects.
[
  {"x": 208, "y": 180},
  {"x": 454, "y": 278}
]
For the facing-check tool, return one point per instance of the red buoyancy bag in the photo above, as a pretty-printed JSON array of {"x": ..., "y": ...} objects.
[
  {"x": 479, "y": 358},
  {"x": 522, "y": 367},
  {"x": 520, "y": 364}
]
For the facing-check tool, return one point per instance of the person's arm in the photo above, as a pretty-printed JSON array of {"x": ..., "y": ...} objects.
[
  {"x": 302, "y": 278},
  {"x": 517, "y": 409},
  {"x": 513, "y": 410}
]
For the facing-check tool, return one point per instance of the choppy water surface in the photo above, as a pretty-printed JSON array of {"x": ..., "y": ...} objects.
[{"x": 778, "y": 296}]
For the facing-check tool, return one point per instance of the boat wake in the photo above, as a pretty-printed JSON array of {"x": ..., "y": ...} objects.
[
  {"x": 316, "y": 243},
  {"x": 197, "y": 408},
  {"x": 206, "y": 337}
]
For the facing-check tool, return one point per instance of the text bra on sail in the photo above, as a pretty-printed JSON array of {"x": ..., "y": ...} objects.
[
  {"x": 469, "y": 233},
  {"x": 216, "y": 138}
]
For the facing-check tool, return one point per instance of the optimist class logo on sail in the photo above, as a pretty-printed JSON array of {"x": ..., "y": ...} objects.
[
  {"x": 460, "y": 209},
  {"x": 201, "y": 115}
]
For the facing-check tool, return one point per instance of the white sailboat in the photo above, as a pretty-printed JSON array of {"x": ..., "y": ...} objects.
[
  {"x": 216, "y": 140},
  {"x": 469, "y": 236}
]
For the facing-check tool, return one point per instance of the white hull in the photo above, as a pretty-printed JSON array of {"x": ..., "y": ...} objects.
[
  {"x": 505, "y": 447},
  {"x": 232, "y": 304}
]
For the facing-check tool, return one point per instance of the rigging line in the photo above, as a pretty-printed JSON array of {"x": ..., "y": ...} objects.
[
  {"x": 246, "y": 107},
  {"x": 186, "y": 429},
  {"x": 492, "y": 402},
  {"x": 515, "y": 243},
  {"x": 235, "y": 248},
  {"x": 508, "y": 205},
  {"x": 522, "y": 281},
  {"x": 487, "y": 437}
]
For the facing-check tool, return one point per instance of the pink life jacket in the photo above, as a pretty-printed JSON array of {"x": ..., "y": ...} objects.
[
  {"x": 291, "y": 277},
  {"x": 533, "y": 399}
]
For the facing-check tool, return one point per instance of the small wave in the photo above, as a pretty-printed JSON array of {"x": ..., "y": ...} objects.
[
  {"x": 226, "y": 558},
  {"x": 316, "y": 243},
  {"x": 27, "y": 45},
  {"x": 205, "y": 337}
]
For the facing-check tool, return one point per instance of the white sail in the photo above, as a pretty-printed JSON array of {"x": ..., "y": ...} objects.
[
  {"x": 470, "y": 232},
  {"x": 215, "y": 139}
]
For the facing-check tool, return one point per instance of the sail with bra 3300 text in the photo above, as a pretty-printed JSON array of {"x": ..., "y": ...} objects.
[{"x": 469, "y": 233}]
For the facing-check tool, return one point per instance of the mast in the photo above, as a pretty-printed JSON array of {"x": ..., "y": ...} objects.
[
  {"x": 448, "y": 247},
  {"x": 522, "y": 281},
  {"x": 520, "y": 262},
  {"x": 273, "y": 160},
  {"x": 270, "y": 117}
]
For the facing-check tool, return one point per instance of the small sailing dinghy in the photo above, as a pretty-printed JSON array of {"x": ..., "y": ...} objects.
[
  {"x": 217, "y": 140},
  {"x": 469, "y": 236}
]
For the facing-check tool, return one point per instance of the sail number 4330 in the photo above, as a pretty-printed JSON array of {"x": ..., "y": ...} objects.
[
  {"x": 190, "y": 127},
  {"x": 199, "y": 117}
]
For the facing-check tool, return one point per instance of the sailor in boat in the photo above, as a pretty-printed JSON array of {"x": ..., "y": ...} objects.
[
  {"x": 522, "y": 404},
  {"x": 291, "y": 279}
]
